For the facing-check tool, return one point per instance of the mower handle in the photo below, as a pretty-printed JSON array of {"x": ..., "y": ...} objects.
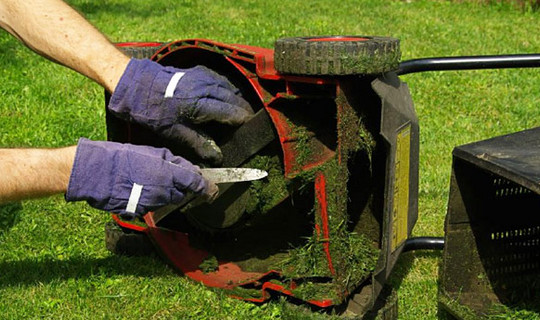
[
  {"x": 424, "y": 243},
  {"x": 469, "y": 63}
]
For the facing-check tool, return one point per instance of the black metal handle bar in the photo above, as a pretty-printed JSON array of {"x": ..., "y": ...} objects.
[
  {"x": 424, "y": 243},
  {"x": 469, "y": 63}
]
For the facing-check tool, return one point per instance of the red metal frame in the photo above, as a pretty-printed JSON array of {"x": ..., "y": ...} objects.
[
  {"x": 128, "y": 225},
  {"x": 320, "y": 192}
]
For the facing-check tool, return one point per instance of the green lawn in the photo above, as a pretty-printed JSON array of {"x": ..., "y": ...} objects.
[{"x": 53, "y": 263}]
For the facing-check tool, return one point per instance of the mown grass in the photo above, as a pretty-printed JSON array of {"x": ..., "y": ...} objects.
[{"x": 53, "y": 263}]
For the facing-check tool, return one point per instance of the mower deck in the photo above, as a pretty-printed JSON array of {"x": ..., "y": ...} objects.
[{"x": 341, "y": 198}]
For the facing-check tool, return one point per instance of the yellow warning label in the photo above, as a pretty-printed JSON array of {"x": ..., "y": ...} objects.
[{"x": 400, "y": 206}]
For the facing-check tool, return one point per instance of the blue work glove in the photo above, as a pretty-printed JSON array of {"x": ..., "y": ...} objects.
[
  {"x": 170, "y": 100},
  {"x": 132, "y": 180}
]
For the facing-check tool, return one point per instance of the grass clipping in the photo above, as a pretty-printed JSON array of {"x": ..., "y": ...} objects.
[{"x": 353, "y": 255}]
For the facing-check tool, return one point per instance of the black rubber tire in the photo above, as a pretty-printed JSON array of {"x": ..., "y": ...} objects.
[
  {"x": 127, "y": 242},
  {"x": 139, "y": 51},
  {"x": 336, "y": 55}
]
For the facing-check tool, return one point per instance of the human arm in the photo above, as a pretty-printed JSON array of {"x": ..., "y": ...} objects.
[
  {"x": 34, "y": 173},
  {"x": 53, "y": 29},
  {"x": 170, "y": 101},
  {"x": 120, "y": 178}
]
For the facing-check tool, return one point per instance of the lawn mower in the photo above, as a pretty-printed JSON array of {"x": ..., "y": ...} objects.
[{"x": 336, "y": 130}]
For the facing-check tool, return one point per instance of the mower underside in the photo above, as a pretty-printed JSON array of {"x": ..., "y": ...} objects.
[{"x": 340, "y": 198}]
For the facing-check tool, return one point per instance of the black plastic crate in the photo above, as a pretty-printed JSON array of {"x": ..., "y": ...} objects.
[{"x": 491, "y": 261}]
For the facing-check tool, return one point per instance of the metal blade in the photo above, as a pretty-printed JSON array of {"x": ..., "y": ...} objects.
[
  {"x": 231, "y": 175},
  {"x": 217, "y": 176}
]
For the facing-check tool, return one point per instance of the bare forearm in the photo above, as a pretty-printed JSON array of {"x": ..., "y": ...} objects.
[
  {"x": 33, "y": 173},
  {"x": 55, "y": 30}
]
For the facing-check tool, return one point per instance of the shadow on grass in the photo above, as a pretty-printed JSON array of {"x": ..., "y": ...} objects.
[
  {"x": 9, "y": 216},
  {"x": 405, "y": 264},
  {"x": 42, "y": 271},
  {"x": 406, "y": 261}
]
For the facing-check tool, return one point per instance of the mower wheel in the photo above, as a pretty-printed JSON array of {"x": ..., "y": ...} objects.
[
  {"x": 126, "y": 242},
  {"x": 140, "y": 50},
  {"x": 336, "y": 55}
]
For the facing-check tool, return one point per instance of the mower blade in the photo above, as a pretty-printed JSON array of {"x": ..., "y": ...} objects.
[
  {"x": 223, "y": 177},
  {"x": 248, "y": 139}
]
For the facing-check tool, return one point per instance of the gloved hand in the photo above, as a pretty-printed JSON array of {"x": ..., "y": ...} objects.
[
  {"x": 171, "y": 100},
  {"x": 132, "y": 180}
]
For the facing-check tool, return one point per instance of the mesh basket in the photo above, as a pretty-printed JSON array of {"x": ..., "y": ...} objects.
[{"x": 491, "y": 260}]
